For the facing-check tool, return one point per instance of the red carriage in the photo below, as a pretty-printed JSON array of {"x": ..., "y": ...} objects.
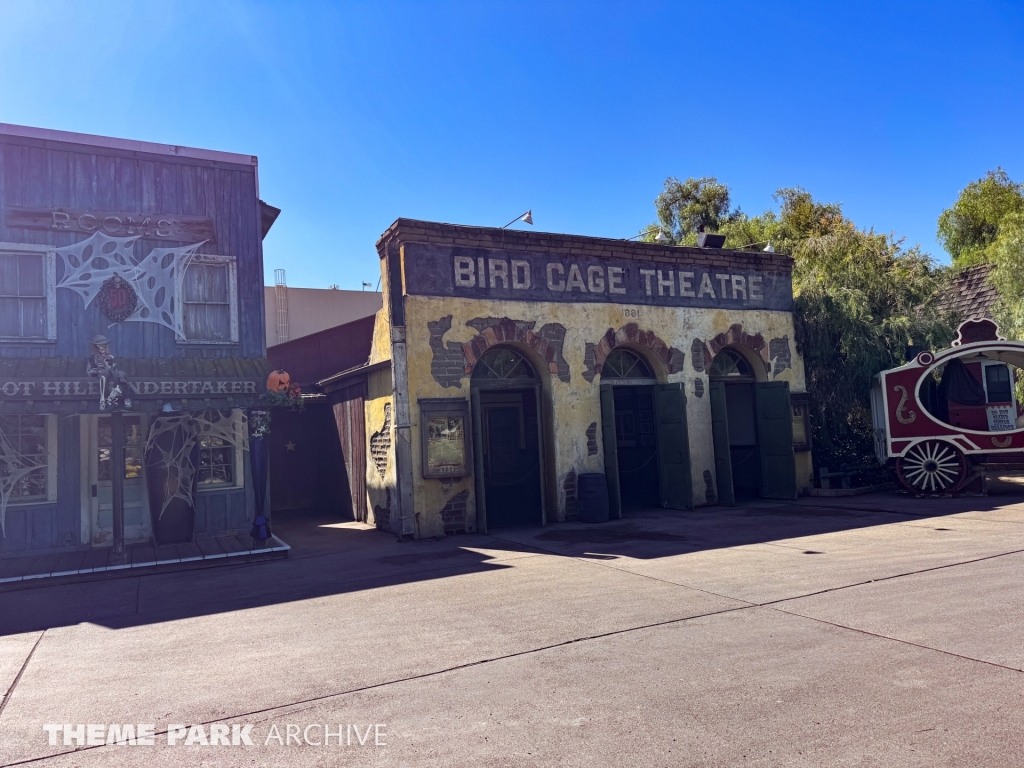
[{"x": 945, "y": 417}]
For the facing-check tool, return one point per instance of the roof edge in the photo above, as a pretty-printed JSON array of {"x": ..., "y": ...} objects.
[{"x": 131, "y": 145}]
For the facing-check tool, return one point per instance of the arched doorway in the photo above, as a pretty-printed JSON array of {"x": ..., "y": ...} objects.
[
  {"x": 736, "y": 379},
  {"x": 752, "y": 429},
  {"x": 645, "y": 435},
  {"x": 633, "y": 382},
  {"x": 508, "y": 440}
]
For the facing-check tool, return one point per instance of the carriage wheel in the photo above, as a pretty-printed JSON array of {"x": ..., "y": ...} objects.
[{"x": 932, "y": 468}]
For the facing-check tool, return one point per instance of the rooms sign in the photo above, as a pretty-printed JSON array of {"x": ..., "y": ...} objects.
[{"x": 485, "y": 274}]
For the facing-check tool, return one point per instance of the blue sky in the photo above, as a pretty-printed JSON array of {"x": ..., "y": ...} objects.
[{"x": 473, "y": 112}]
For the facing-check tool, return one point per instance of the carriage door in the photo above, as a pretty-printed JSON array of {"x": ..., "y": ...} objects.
[{"x": 137, "y": 525}]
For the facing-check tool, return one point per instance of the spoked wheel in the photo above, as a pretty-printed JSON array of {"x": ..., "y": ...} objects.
[{"x": 932, "y": 468}]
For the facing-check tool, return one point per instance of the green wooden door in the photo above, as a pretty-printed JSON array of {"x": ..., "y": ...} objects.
[
  {"x": 673, "y": 446},
  {"x": 775, "y": 440},
  {"x": 611, "y": 450},
  {"x": 720, "y": 438},
  {"x": 478, "y": 462}
]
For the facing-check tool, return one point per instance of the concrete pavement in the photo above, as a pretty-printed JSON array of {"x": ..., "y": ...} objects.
[{"x": 874, "y": 630}]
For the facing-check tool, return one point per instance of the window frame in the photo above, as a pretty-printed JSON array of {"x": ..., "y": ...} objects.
[
  {"x": 50, "y": 425},
  {"x": 984, "y": 381},
  {"x": 446, "y": 407},
  {"x": 179, "y": 305},
  {"x": 238, "y": 456},
  {"x": 49, "y": 256}
]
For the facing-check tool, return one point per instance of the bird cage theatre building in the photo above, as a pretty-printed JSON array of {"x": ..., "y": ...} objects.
[
  {"x": 516, "y": 375},
  {"x": 131, "y": 347}
]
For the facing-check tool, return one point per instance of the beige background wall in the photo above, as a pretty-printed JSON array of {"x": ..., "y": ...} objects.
[{"x": 317, "y": 309}]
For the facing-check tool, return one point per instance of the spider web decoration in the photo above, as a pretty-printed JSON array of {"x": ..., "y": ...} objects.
[
  {"x": 93, "y": 261},
  {"x": 13, "y": 467},
  {"x": 173, "y": 438}
]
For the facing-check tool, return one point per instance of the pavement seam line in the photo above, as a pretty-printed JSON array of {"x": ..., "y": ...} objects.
[
  {"x": 17, "y": 678},
  {"x": 410, "y": 678},
  {"x": 869, "y": 633}
]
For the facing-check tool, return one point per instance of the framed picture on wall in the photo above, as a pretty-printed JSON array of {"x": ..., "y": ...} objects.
[
  {"x": 800, "y": 402},
  {"x": 444, "y": 436}
]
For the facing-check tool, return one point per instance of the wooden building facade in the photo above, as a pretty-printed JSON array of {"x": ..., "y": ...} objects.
[{"x": 131, "y": 337}]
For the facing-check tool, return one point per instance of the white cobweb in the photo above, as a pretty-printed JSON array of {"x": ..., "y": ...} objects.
[
  {"x": 13, "y": 467},
  {"x": 91, "y": 262},
  {"x": 173, "y": 438}
]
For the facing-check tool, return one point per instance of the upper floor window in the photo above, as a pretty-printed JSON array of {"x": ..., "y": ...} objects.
[
  {"x": 26, "y": 293},
  {"x": 209, "y": 300}
]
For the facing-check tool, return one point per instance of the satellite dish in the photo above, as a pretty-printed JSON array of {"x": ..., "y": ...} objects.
[{"x": 661, "y": 238}]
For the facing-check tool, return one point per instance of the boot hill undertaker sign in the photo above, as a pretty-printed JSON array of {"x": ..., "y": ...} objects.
[{"x": 477, "y": 273}]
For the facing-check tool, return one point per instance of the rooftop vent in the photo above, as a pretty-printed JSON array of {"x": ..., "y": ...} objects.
[{"x": 710, "y": 240}]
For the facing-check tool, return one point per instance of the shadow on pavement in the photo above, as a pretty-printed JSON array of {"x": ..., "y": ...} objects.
[{"x": 332, "y": 556}]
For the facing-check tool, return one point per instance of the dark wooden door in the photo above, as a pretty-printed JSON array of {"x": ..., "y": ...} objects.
[
  {"x": 611, "y": 450},
  {"x": 673, "y": 446},
  {"x": 775, "y": 439},
  {"x": 720, "y": 438}
]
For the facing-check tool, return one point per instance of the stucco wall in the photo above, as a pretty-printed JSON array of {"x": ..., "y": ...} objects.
[{"x": 565, "y": 340}]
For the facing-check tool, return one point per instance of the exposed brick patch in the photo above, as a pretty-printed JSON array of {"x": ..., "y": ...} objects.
[
  {"x": 736, "y": 336},
  {"x": 709, "y": 494},
  {"x": 547, "y": 342},
  {"x": 380, "y": 444},
  {"x": 698, "y": 387},
  {"x": 382, "y": 515},
  {"x": 595, "y": 354},
  {"x": 697, "y": 356},
  {"x": 448, "y": 364},
  {"x": 569, "y": 486},
  {"x": 592, "y": 439},
  {"x": 780, "y": 355},
  {"x": 454, "y": 513}
]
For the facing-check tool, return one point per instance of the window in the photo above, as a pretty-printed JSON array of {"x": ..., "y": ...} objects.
[
  {"x": 998, "y": 383},
  {"x": 624, "y": 364},
  {"x": 134, "y": 446},
  {"x": 216, "y": 462},
  {"x": 444, "y": 444},
  {"x": 801, "y": 421},
  {"x": 28, "y": 441},
  {"x": 503, "y": 364},
  {"x": 26, "y": 293},
  {"x": 730, "y": 364},
  {"x": 209, "y": 300}
]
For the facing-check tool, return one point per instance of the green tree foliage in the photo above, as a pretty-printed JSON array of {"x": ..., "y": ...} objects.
[
  {"x": 685, "y": 206},
  {"x": 969, "y": 228},
  {"x": 1007, "y": 252},
  {"x": 860, "y": 298}
]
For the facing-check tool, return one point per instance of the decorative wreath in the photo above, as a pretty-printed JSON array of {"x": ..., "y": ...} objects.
[{"x": 117, "y": 299}]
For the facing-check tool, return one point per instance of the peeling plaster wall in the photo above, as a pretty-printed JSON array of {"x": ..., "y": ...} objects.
[
  {"x": 381, "y": 492},
  {"x": 572, "y": 402}
]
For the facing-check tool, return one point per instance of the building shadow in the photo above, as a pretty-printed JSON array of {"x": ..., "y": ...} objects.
[{"x": 331, "y": 555}]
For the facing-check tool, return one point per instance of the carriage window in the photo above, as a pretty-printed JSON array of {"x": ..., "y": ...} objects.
[{"x": 998, "y": 384}]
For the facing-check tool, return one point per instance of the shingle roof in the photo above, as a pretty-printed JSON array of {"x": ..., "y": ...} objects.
[{"x": 970, "y": 293}]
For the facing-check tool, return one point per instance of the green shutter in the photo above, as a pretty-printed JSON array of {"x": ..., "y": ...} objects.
[
  {"x": 720, "y": 438},
  {"x": 611, "y": 450},
  {"x": 673, "y": 446},
  {"x": 478, "y": 463},
  {"x": 775, "y": 440}
]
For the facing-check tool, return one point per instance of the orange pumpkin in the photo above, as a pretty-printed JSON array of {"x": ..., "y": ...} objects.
[{"x": 278, "y": 381}]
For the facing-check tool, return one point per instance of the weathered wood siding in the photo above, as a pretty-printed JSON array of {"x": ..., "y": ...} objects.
[{"x": 36, "y": 173}]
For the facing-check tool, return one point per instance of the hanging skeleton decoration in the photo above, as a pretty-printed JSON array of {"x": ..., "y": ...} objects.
[
  {"x": 173, "y": 438},
  {"x": 95, "y": 261},
  {"x": 13, "y": 469},
  {"x": 113, "y": 382}
]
